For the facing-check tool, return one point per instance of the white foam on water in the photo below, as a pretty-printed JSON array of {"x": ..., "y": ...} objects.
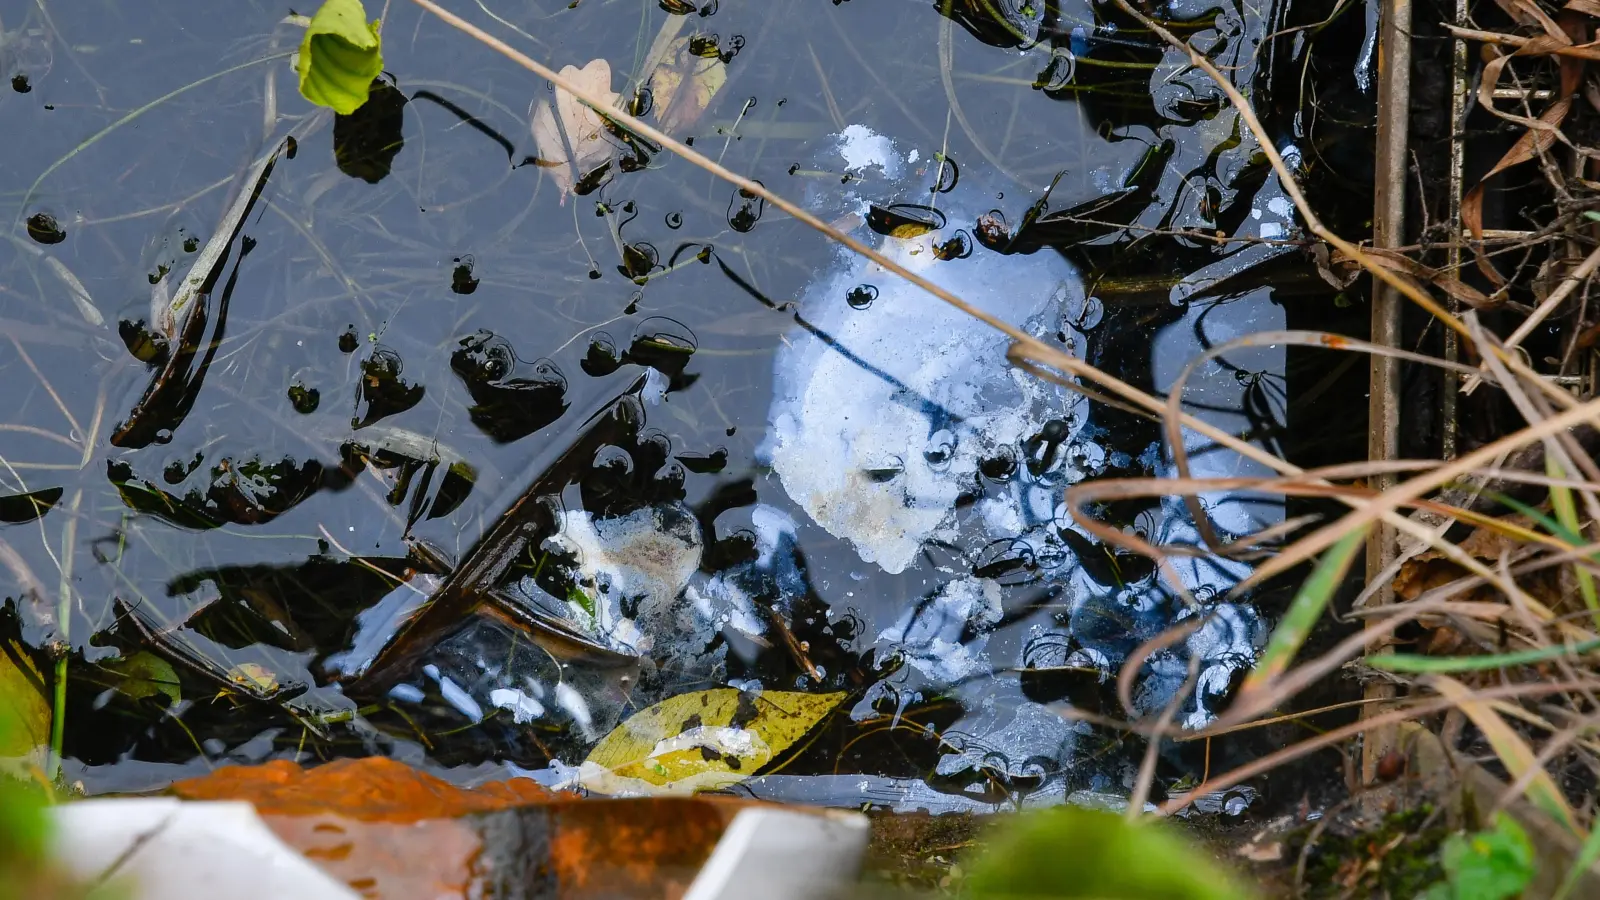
[
  {"x": 646, "y": 556},
  {"x": 930, "y": 634},
  {"x": 862, "y": 148},
  {"x": 882, "y": 415}
]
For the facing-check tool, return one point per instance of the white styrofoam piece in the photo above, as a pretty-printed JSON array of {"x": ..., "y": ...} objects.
[
  {"x": 162, "y": 847},
  {"x": 779, "y": 854}
]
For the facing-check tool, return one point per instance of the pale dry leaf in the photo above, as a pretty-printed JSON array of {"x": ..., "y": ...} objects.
[
  {"x": 552, "y": 148},
  {"x": 571, "y": 138}
]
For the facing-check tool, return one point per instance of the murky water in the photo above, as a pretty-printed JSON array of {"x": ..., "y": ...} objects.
[{"x": 734, "y": 453}]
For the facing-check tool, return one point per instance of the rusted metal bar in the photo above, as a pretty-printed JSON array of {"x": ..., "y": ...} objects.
[{"x": 1388, "y": 230}]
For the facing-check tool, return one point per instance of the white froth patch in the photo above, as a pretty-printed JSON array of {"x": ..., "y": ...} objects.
[
  {"x": 523, "y": 708},
  {"x": 862, "y": 148},
  {"x": 882, "y": 415},
  {"x": 647, "y": 555},
  {"x": 930, "y": 634}
]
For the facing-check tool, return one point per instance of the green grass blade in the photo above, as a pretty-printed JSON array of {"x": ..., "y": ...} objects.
[
  {"x": 1537, "y": 517},
  {"x": 1305, "y": 610},
  {"x": 1433, "y": 665},
  {"x": 1587, "y": 854},
  {"x": 1566, "y": 511}
]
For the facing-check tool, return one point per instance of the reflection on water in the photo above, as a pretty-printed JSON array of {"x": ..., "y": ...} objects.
[{"x": 727, "y": 448}]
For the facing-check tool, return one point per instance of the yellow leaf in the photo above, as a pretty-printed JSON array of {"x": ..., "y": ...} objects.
[
  {"x": 702, "y": 740},
  {"x": 253, "y": 677},
  {"x": 24, "y": 712},
  {"x": 678, "y": 107}
]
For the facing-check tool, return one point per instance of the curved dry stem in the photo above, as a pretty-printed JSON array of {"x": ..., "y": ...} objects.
[
  {"x": 1152, "y": 748},
  {"x": 1174, "y": 429},
  {"x": 1289, "y": 754},
  {"x": 93, "y": 139},
  {"x": 1408, "y": 491},
  {"x": 1130, "y": 666}
]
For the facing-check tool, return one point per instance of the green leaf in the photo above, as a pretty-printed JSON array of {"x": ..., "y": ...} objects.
[
  {"x": 1566, "y": 511},
  {"x": 702, "y": 740},
  {"x": 579, "y": 599},
  {"x": 1071, "y": 852},
  {"x": 24, "y": 828},
  {"x": 339, "y": 57},
  {"x": 146, "y": 675},
  {"x": 24, "y": 711},
  {"x": 1494, "y": 864}
]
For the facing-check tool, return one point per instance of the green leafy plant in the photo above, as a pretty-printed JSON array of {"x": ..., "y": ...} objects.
[
  {"x": 1073, "y": 852},
  {"x": 340, "y": 56},
  {"x": 1493, "y": 864}
]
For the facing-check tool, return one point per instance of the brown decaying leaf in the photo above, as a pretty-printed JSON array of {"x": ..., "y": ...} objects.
[
  {"x": 1430, "y": 570},
  {"x": 571, "y": 137},
  {"x": 1339, "y": 265},
  {"x": 1542, "y": 132}
]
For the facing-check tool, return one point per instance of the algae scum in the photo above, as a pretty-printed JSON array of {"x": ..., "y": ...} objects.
[{"x": 459, "y": 462}]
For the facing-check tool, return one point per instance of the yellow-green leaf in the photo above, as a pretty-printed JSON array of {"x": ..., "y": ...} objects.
[
  {"x": 24, "y": 712},
  {"x": 254, "y": 678},
  {"x": 702, "y": 740},
  {"x": 339, "y": 57},
  {"x": 146, "y": 675},
  {"x": 684, "y": 86}
]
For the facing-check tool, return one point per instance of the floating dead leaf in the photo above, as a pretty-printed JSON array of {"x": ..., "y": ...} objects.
[
  {"x": 254, "y": 678},
  {"x": 702, "y": 740},
  {"x": 572, "y": 138},
  {"x": 683, "y": 86},
  {"x": 1430, "y": 569}
]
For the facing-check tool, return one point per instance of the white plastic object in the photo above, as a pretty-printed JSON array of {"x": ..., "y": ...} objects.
[
  {"x": 778, "y": 854},
  {"x": 162, "y": 847}
]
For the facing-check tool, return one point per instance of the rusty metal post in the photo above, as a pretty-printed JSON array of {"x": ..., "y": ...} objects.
[{"x": 1388, "y": 230}]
